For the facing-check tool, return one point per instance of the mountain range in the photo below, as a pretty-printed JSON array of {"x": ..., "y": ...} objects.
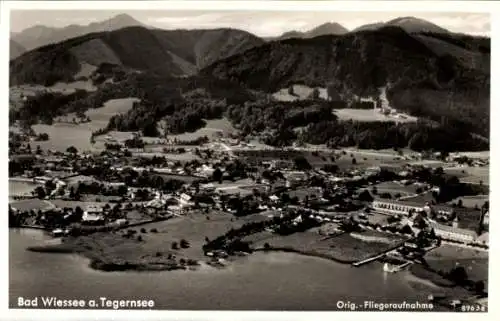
[
  {"x": 15, "y": 49},
  {"x": 426, "y": 69},
  {"x": 409, "y": 24},
  {"x": 328, "y": 28},
  {"x": 431, "y": 74},
  {"x": 39, "y": 35},
  {"x": 168, "y": 52}
]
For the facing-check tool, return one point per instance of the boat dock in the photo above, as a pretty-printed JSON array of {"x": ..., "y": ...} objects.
[{"x": 377, "y": 256}]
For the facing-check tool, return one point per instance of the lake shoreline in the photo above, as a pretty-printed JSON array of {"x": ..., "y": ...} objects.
[
  {"x": 305, "y": 253},
  {"x": 104, "y": 264}
]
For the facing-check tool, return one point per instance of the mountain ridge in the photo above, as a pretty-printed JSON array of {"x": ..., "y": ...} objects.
[
  {"x": 328, "y": 28},
  {"x": 169, "y": 52},
  {"x": 15, "y": 49},
  {"x": 415, "y": 70},
  {"x": 40, "y": 35},
  {"x": 409, "y": 24}
]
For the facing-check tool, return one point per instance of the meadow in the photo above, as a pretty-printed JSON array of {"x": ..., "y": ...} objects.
[
  {"x": 449, "y": 256},
  {"x": 367, "y": 115},
  {"x": 64, "y": 135}
]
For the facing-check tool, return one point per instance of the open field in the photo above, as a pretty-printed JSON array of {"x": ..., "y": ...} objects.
[
  {"x": 474, "y": 175},
  {"x": 421, "y": 198},
  {"x": 63, "y": 135},
  {"x": 428, "y": 163},
  {"x": 213, "y": 128},
  {"x": 448, "y": 256},
  {"x": 20, "y": 188},
  {"x": 32, "y": 204},
  {"x": 342, "y": 158},
  {"x": 483, "y": 154},
  {"x": 371, "y": 115},
  {"x": 344, "y": 248},
  {"x": 69, "y": 88},
  {"x": 193, "y": 227},
  {"x": 472, "y": 201},
  {"x": 300, "y": 92},
  {"x": 150, "y": 246},
  {"x": 394, "y": 188}
]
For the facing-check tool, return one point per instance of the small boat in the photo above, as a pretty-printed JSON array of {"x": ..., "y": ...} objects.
[{"x": 390, "y": 268}]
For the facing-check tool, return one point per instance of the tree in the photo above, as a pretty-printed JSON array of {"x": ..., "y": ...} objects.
[
  {"x": 72, "y": 150},
  {"x": 354, "y": 161},
  {"x": 174, "y": 246},
  {"x": 40, "y": 192},
  {"x": 439, "y": 171},
  {"x": 460, "y": 203},
  {"x": 458, "y": 275},
  {"x": 406, "y": 230},
  {"x": 291, "y": 91},
  {"x": 365, "y": 196},
  {"x": 315, "y": 93},
  {"x": 217, "y": 175},
  {"x": 184, "y": 244},
  {"x": 267, "y": 246},
  {"x": 301, "y": 163},
  {"x": 479, "y": 287},
  {"x": 78, "y": 213}
]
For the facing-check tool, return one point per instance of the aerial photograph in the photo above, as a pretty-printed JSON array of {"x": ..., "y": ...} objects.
[{"x": 249, "y": 160}]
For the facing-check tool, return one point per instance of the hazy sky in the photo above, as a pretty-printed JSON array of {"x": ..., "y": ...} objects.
[{"x": 261, "y": 23}]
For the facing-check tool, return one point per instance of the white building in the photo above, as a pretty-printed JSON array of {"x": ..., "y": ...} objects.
[
  {"x": 453, "y": 233},
  {"x": 396, "y": 207}
]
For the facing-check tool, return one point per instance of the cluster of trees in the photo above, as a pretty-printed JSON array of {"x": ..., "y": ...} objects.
[
  {"x": 97, "y": 188},
  {"x": 419, "y": 136},
  {"x": 287, "y": 227},
  {"x": 135, "y": 142},
  {"x": 45, "y": 106},
  {"x": 165, "y": 97},
  {"x": 257, "y": 116},
  {"x": 224, "y": 241},
  {"x": 42, "y": 137},
  {"x": 243, "y": 206},
  {"x": 147, "y": 179},
  {"x": 449, "y": 186},
  {"x": 323, "y": 127}
]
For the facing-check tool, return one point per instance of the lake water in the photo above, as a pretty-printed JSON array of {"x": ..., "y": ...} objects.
[{"x": 262, "y": 281}]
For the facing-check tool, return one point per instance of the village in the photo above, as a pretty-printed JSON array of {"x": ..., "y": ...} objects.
[{"x": 233, "y": 198}]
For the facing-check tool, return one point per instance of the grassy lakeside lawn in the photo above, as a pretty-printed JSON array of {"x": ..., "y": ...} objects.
[
  {"x": 448, "y": 256},
  {"x": 32, "y": 204},
  {"x": 345, "y": 248},
  {"x": 113, "y": 251}
]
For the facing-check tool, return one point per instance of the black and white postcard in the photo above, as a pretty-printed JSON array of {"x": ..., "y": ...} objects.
[{"x": 259, "y": 156}]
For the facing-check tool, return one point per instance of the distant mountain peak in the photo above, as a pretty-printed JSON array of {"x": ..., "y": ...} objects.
[
  {"x": 40, "y": 35},
  {"x": 124, "y": 18},
  {"x": 327, "y": 28},
  {"x": 408, "y": 23}
]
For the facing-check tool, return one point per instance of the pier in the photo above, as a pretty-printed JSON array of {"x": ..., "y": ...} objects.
[{"x": 377, "y": 256}]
